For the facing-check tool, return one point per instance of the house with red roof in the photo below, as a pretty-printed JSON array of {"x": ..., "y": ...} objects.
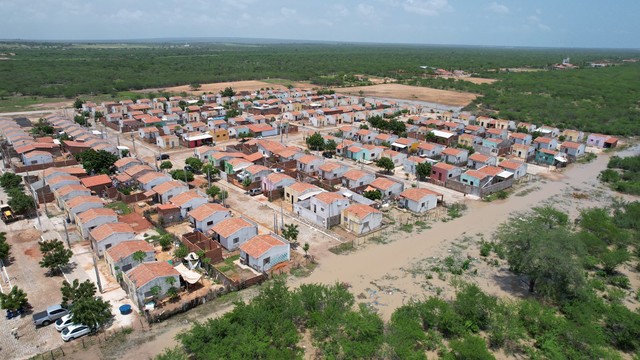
[
  {"x": 167, "y": 190},
  {"x": 139, "y": 281},
  {"x": 205, "y": 216},
  {"x": 119, "y": 258},
  {"x": 388, "y": 188},
  {"x": 355, "y": 178},
  {"x": 152, "y": 179},
  {"x": 97, "y": 183},
  {"x": 126, "y": 163},
  {"x": 67, "y": 192},
  {"x": 323, "y": 209},
  {"x": 516, "y": 167},
  {"x": 332, "y": 170},
  {"x": 309, "y": 164},
  {"x": 88, "y": 220},
  {"x": 263, "y": 252},
  {"x": 478, "y": 160},
  {"x": 419, "y": 200},
  {"x": 110, "y": 234},
  {"x": 361, "y": 219},
  {"x": 455, "y": 156},
  {"x": 548, "y": 143},
  {"x": 573, "y": 150},
  {"x": 300, "y": 191},
  {"x": 602, "y": 141},
  {"x": 188, "y": 201},
  {"x": 520, "y": 138},
  {"x": 233, "y": 232},
  {"x": 80, "y": 204},
  {"x": 443, "y": 172},
  {"x": 276, "y": 182}
]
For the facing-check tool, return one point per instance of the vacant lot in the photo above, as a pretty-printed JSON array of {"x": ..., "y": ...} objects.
[
  {"x": 248, "y": 85},
  {"x": 474, "y": 80},
  {"x": 407, "y": 92}
]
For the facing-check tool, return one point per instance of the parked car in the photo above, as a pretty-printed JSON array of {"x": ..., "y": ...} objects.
[
  {"x": 277, "y": 170},
  {"x": 327, "y": 154},
  {"x": 162, "y": 157},
  {"x": 74, "y": 331},
  {"x": 50, "y": 315},
  {"x": 7, "y": 214},
  {"x": 255, "y": 191},
  {"x": 64, "y": 322}
]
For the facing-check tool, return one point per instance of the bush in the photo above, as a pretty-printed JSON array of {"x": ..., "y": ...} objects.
[
  {"x": 469, "y": 348},
  {"x": 485, "y": 249},
  {"x": 620, "y": 281}
]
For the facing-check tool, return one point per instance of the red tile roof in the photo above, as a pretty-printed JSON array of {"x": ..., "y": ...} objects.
[
  {"x": 67, "y": 189},
  {"x": 96, "y": 180},
  {"x": 146, "y": 272},
  {"x": 511, "y": 164},
  {"x": 166, "y": 186},
  {"x": 491, "y": 170},
  {"x": 78, "y": 200},
  {"x": 354, "y": 174},
  {"x": 228, "y": 227},
  {"x": 383, "y": 183},
  {"x": 417, "y": 194},
  {"x": 258, "y": 245},
  {"x": 479, "y": 157},
  {"x": 360, "y": 211},
  {"x": 105, "y": 230},
  {"x": 185, "y": 197},
  {"x": 128, "y": 248},
  {"x": 444, "y": 166},
  {"x": 205, "y": 210},
  {"x": 94, "y": 213},
  {"x": 329, "y": 197}
]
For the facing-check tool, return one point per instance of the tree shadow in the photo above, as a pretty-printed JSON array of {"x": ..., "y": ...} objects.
[{"x": 513, "y": 284}]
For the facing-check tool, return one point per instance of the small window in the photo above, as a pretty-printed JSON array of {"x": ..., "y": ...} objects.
[
  {"x": 236, "y": 240},
  {"x": 266, "y": 261},
  {"x": 209, "y": 223}
]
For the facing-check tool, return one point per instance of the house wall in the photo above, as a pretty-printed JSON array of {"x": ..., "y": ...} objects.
[
  {"x": 85, "y": 229},
  {"x": 369, "y": 223},
  {"x": 190, "y": 205},
  {"x": 276, "y": 255},
  {"x": 127, "y": 263},
  {"x": 71, "y": 195},
  {"x": 241, "y": 236},
  {"x": 427, "y": 203},
  {"x": 82, "y": 208},
  {"x": 37, "y": 159},
  {"x": 209, "y": 222},
  {"x": 157, "y": 181},
  {"x": 171, "y": 193},
  {"x": 138, "y": 295},
  {"x": 112, "y": 240}
]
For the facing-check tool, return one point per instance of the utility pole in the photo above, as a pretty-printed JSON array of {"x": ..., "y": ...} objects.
[
  {"x": 64, "y": 222},
  {"x": 35, "y": 201},
  {"x": 95, "y": 267},
  {"x": 133, "y": 141}
]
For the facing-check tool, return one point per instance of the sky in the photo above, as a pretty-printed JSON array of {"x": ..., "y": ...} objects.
[{"x": 539, "y": 23}]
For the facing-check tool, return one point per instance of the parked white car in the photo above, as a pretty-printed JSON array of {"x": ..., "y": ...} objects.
[
  {"x": 63, "y": 322},
  {"x": 74, "y": 331}
]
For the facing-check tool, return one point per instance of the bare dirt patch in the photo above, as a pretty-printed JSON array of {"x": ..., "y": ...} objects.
[
  {"x": 56, "y": 105},
  {"x": 248, "y": 85},
  {"x": 474, "y": 80},
  {"x": 408, "y": 92}
]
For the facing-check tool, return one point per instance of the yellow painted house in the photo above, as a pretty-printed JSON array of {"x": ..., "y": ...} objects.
[
  {"x": 219, "y": 135},
  {"x": 361, "y": 219}
]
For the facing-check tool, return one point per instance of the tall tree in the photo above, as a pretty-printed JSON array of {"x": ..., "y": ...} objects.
[
  {"x": 54, "y": 255},
  {"x": 386, "y": 164},
  {"x": 10, "y": 180},
  {"x": 228, "y": 92},
  {"x": 20, "y": 202},
  {"x": 423, "y": 170},
  {"x": 315, "y": 142},
  {"x": 91, "y": 311},
  {"x": 14, "y": 299},
  {"x": 539, "y": 246},
  {"x": 97, "y": 162},
  {"x": 72, "y": 292},
  {"x": 166, "y": 165},
  {"x": 5, "y": 247},
  {"x": 195, "y": 163}
]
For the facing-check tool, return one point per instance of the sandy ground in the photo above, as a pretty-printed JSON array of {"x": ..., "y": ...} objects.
[
  {"x": 248, "y": 85},
  {"x": 407, "y": 92},
  {"x": 475, "y": 80}
]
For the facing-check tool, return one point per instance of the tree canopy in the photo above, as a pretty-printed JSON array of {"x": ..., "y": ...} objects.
[
  {"x": 315, "y": 142},
  {"x": 386, "y": 164},
  {"x": 72, "y": 292},
  {"x": 54, "y": 255},
  {"x": 97, "y": 162}
]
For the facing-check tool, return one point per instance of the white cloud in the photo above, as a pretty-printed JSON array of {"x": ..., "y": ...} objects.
[
  {"x": 288, "y": 12},
  {"x": 498, "y": 8},
  {"x": 340, "y": 10},
  {"x": 365, "y": 9},
  {"x": 538, "y": 23},
  {"x": 426, "y": 7}
]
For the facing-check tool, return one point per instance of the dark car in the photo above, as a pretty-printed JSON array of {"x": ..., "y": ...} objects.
[
  {"x": 162, "y": 157},
  {"x": 327, "y": 154}
]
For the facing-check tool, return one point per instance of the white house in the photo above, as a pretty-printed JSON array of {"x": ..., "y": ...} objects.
[
  {"x": 119, "y": 257},
  {"x": 67, "y": 192},
  {"x": 92, "y": 218},
  {"x": 233, "y": 232},
  {"x": 188, "y": 201},
  {"x": 81, "y": 204},
  {"x": 169, "y": 189},
  {"x": 355, "y": 178},
  {"x": 517, "y": 168},
  {"x": 152, "y": 179},
  {"x": 276, "y": 181},
  {"x": 309, "y": 164},
  {"x": 107, "y": 235},
  {"x": 263, "y": 252},
  {"x": 418, "y": 199},
  {"x": 573, "y": 149},
  {"x": 387, "y": 187},
  {"x": 141, "y": 279},
  {"x": 205, "y": 216},
  {"x": 331, "y": 170},
  {"x": 37, "y": 157},
  {"x": 167, "y": 141},
  {"x": 361, "y": 219}
]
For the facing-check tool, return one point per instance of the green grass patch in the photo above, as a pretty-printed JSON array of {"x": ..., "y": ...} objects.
[
  {"x": 587, "y": 158},
  {"x": 406, "y": 228},
  {"x": 120, "y": 208},
  {"x": 342, "y": 248}
]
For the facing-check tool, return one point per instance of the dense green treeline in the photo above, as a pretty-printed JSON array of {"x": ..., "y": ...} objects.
[
  {"x": 67, "y": 70},
  {"x": 576, "y": 309}
]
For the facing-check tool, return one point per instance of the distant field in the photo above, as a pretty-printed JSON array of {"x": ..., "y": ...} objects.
[
  {"x": 246, "y": 85},
  {"x": 407, "y": 92}
]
